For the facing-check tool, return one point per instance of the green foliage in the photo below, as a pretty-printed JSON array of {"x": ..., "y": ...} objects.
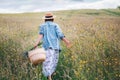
[
  {"x": 118, "y": 7},
  {"x": 112, "y": 12}
]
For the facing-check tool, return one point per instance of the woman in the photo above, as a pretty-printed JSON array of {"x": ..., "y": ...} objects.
[{"x": 50, "y": 33}]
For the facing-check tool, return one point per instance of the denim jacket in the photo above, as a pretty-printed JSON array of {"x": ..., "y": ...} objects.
[{"x": 51, "y": 35}]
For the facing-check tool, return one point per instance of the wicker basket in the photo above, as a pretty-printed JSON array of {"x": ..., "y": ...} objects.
[{"x": 37, "y": 56}]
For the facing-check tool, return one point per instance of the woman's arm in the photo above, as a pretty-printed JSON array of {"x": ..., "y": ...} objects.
[
  {"x": 67, "y": 42},
  {"x": 38, "y": 40}
]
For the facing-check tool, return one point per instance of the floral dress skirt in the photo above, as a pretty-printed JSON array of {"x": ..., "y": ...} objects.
[{"x": 50, "y": 64}]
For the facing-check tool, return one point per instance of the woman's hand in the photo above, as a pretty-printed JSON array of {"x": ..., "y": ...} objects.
[
  {"x": 67, "y": 42},
  {"x": 35, "y": 46}
]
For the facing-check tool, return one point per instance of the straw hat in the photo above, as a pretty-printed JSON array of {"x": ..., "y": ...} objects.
[{"x": 49, "y": 15}]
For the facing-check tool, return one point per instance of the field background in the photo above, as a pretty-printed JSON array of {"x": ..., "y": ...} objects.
[{"x": 94, "y": 34}]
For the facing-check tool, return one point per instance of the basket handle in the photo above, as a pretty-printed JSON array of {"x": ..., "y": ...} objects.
[{"x": 25, "y": 54}]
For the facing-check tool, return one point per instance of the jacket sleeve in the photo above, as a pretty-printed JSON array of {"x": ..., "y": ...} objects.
[
  {"x": 41, "y": 30},
  {"x": 59, "y": 32}
]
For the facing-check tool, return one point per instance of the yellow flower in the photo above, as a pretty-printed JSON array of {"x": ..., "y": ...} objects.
[{"x": 96, "y": 78}]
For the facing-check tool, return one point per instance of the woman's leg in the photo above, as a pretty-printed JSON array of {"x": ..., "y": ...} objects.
[{"x": 49, "y": 78}]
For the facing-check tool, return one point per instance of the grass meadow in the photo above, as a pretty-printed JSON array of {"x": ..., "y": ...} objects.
[{"x": 95, "y": 51}]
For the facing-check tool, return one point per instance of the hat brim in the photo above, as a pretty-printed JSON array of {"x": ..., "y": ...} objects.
[{"x": 49, "y": 18}]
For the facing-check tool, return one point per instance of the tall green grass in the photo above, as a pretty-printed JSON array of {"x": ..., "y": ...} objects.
[{"x": 94, "y": 54}]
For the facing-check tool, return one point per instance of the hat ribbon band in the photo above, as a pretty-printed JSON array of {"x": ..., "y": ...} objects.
[{"x": 48, "y": 16}]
